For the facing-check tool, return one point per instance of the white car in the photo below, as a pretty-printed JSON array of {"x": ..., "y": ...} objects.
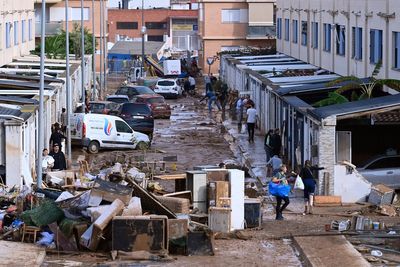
[
  {"x": 168, "y": 88},
  {"x": 96, "y": 131}
]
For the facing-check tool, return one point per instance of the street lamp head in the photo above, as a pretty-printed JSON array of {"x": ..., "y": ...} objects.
[{"x": 143, "y": 30}]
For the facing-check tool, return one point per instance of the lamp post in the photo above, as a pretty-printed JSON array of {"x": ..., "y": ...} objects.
[
  {"x": 67, "y": 83},
  {"x": 83, "y": 60},
  {"x": 104, "y": 9},
  {"x": 94, "y": 54},
  {"x": 101, "y": 48},
  {"x": 143, "y": 30},
  {"x": 39, "y": 169}
]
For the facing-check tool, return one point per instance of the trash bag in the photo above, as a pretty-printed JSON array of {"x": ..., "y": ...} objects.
[
  {"x": 298, "y": 184},
  {"x": 279, "y": 190}
]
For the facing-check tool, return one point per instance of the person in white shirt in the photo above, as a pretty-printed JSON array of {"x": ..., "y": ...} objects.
[
  {"x": 192, "y": 82},
  {"x": 251, "y": 122}
]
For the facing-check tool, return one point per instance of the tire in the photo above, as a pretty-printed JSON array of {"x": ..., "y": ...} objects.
[
  {"x": 93, "y": 147},
  {"x": 142, "y": 146}
]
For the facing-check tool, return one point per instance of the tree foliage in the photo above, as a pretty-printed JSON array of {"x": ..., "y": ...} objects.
[
  {"x": 359, "y": 89},
  {"x": 55, "y": 45}
]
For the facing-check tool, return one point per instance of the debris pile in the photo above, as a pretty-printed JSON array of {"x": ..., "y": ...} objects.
[{"x": 118, "y": 209}]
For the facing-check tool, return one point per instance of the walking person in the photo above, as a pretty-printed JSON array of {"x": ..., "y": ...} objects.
[
  {"x": 63, "y": 120},
  {"x": 307, "y": 176},
  {"x": 267, "y": 145},
  {"x": 239, "y": 112},
  {"x": 276, "y": 143},
  {"x": 192, "y": 82},
  {"x": 251, "y": 122},
  {"x": 280, "y": 178},
  {"x": 56, "y": 136},
  {"x": 211, "y": 99}
]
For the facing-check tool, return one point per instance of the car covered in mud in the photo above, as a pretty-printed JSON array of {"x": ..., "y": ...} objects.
[{"x": 159, "y": 107}]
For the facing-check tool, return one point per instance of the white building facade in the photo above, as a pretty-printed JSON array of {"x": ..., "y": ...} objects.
[
  {"x": 347, "y": 37},
  {"x": 17, "y": 29}
]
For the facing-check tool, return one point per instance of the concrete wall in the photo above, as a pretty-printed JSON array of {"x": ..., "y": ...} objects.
[
  {"x": 14, "y": 153},
  {"x": 350, "y": 185},
  {"x": 16, "y": 11},
  {"x": 348, "y": 13}
]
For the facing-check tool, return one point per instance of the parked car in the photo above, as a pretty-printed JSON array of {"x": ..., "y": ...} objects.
[
  {"x": 119, "y": 99},
  {"x": 139, "y": 117},
  {"x": 133, "y": 90},
  {"x": 157, "y": 103},
  {"x": 168, "y": 88},
  {"x": 104, "y": 107},
  {"x": 384, "y": 169},
  {"x": 97, "y": 131}
]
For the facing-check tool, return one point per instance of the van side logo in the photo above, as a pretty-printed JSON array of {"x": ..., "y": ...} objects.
[{"x": 107, "y": 127}]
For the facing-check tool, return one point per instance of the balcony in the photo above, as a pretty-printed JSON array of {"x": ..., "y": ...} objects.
[
  {"x": 48, "y": 1},
  {"x": 261, "y": 32},
  {"x": 52, "y": 28}
]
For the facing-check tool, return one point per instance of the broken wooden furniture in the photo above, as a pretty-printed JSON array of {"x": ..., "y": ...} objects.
[{"x": 30, "y": 231}]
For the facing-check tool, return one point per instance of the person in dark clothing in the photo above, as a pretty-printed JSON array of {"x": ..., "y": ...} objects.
[
  {"x": 186, "y": 86},
  {"x": 267, "y": 144},
  {"x": 59, "y": 158},
  {"x": 57, "y": 136},
  {"x": 276, "y": 143},
  {"x": 280, "y": 177},
  {"x": 309, "y": 185}
]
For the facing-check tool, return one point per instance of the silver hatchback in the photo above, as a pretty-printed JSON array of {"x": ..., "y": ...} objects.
[{"x": 384, "y": 169}]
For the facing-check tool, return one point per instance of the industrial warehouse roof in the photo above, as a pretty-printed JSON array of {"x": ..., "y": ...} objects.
[
  {"x": 368, "y": 106},
  {"x": 135, "y": 48}
]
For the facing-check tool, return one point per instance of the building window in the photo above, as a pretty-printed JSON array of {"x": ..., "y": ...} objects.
[
  {"x": 304, "y": 32},
  {"x": 341, "y": 40},
  {"x": 375, "y": 47},
  {"x": 23, "y": 25},
  {"x": 76, "y": 13},
  {"x": 261, "y": 31},
  {"x": 30, "y": 29},
  {"x": 156, "y": 38},
  {"x": 357, "y": 43},
  {"x": 127, "y": 25},
  {"x": 279, "y": 28},
  {"x": 15, "y": 32},
  {"x": 396, "y": 46},
  {"x": 295, "y": 31},
  {"x": 327, "y": 37},
  {"x": 8, "y": 34},
  {"x": 234, "y": 15},
  {"x": 314, "y": 27},
  {"x": 287, "y": 32},
  {"x": 156, "y": 25}
]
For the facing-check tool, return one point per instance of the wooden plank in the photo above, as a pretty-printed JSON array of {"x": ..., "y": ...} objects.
[
  {"x": 327, "y": 200},
  {"x": 171, "y": 176},
  {"x": 21, "y": 254},
  {"x": 149, "y": 202}
]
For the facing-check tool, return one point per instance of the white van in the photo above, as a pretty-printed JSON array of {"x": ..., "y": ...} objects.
[{"x": 96, "y": 131}]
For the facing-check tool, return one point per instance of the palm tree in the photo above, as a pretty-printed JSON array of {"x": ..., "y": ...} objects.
[{"x": 353, "y": 83}]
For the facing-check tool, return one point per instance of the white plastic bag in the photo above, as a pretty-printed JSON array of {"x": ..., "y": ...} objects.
[{"x": 298, "y": 184}]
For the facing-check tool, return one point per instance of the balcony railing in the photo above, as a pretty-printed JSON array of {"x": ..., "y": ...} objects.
[
  {"x": 52, "y": 28},
  {"x": 254, "y": 32}
]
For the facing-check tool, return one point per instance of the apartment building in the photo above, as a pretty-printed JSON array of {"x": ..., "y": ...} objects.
[
  {"x": 347, "y": 37},
  {"x": 181, "y": 25},
  {"x": 55, "y": 19},
  {"x": 227, "y": 25},
  {"x": 16, "y": 29}
]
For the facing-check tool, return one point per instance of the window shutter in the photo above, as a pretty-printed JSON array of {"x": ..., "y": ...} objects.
[{"x": 372, "y": 46}]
